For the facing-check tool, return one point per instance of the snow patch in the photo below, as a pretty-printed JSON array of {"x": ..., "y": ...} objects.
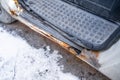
[{"x": 20, "y": 61}]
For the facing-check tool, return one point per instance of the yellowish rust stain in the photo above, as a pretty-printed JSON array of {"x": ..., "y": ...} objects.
[{"x": 13, "y": 12}]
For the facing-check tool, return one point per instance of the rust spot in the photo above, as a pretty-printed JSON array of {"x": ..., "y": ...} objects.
[{"x": 13, "y": 12}]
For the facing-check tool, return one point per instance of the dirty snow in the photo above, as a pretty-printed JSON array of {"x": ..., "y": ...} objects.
[{"x": 20, "y": 61}]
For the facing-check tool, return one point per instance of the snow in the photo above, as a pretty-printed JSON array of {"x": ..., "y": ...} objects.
[{"x": 20, "y": 61}]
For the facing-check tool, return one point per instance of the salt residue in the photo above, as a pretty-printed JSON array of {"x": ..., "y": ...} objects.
[{"x": 20, "y": 61}]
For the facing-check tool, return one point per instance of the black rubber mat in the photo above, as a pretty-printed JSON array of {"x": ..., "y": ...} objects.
[{"x": 94, "y": 32}]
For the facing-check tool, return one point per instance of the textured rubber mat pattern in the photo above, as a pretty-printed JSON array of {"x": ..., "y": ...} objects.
[{"x": 88, "y": 28}]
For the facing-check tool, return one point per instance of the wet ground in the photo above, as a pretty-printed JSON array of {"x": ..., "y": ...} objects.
[{"x": 70, "y": 62}]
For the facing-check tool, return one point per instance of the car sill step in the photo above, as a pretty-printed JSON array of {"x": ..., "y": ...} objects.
[{"x": 83, "y": 27}]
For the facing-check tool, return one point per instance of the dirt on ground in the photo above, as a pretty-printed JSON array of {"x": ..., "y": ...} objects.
[{"x": 70, "y": 62}]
